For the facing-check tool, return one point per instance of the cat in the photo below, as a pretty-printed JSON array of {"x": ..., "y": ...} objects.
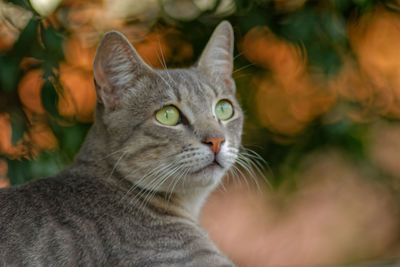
[{"x": 161, "y": 142}]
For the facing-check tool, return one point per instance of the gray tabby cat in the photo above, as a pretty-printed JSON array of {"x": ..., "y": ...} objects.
[{"x": 160, "y": 143}]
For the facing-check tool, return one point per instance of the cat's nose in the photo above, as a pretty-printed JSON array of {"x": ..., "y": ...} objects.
[{"x": 214, "y": 143}]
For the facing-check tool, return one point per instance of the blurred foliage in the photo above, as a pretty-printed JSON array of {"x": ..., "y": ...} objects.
[{"x": 292, "y": 58}]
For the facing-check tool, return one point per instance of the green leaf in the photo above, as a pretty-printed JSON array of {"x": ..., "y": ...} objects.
[
  {"x": 70, "y": 138},
  {"x": 18, "y": 128},
  {"x": 9, "y": 63},
  {"x": 50, "y": 98},
  {"x": 19, "y": 171}
]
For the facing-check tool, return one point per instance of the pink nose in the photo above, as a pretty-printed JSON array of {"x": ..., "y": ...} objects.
[{"x": 214, "y": 143}]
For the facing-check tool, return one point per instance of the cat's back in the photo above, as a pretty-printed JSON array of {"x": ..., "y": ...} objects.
[
  {"x": 55, "y": 198},
  {"x": 50, "y": 221},
  {"x": 76, "y": 220}
]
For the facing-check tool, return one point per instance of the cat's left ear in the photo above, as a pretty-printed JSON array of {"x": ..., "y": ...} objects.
[
  {"x": 117, "y": 68},
  {"x": 216, "y": 59}
]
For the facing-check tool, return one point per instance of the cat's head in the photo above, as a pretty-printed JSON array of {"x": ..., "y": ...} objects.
[{"x": 171, "y": 129}]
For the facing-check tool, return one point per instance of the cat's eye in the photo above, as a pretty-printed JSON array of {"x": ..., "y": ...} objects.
[
  {"x": 224, "y": 110},
  {"x": 168, "y": 115}
]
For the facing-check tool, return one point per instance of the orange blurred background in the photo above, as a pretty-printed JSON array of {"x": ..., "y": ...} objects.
[{"x": 320, "y": 85}]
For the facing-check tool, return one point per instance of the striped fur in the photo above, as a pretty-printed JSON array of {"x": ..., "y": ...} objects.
[{"x": 135, "y": 191}]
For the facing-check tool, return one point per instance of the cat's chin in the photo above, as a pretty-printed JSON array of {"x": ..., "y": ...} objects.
[
  {"x": 204, "y": 178},
  {"x": 215, "y": 166},
  {"x": 207, "y": 176}
]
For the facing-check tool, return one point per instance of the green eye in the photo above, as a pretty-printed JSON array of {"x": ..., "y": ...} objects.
[
  {"x": 224, "y": 110},
  {"x": 168, "y": 115}
]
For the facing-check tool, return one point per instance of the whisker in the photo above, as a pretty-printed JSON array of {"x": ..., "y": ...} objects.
[
  {"x": 256, "y": 162},
  {"x": 145, "y": 176},
  {"x": 159, "y": 177},
  {"x": 153, "y": 171},
  {"x": 238, "y": 55},
  {"x": 112, "y": 153},
  {"x": 183, "y": 174},
  {"x": 162, "y": 179},
  {"x": 250, "y": 162},
  {"x": 152, "y": 191},
  {"x": 240, "y": 174},
  {"x": 222, "y": 184},
  {"x": 245, "y": 75},
  {"x": 252, "y": 153},
  {"x": 144, "y": 193},
  {"x": 116, "y": 164},
  {"x": 162, "y": 61},
  {"x": 243, "y": 68},
  {"x": 246, "y": 165}
]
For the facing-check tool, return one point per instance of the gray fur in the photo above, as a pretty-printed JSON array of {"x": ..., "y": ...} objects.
[{"x": 134, "y": 193}]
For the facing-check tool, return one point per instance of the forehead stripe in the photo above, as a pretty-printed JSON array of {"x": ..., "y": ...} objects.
[
  {"x": 177, "y": 93},
  {"x": 170, "y": 84}
]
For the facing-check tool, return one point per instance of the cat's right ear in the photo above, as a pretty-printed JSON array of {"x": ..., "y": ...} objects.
[
  {"x": 217, "y": 57},
  {"x": 117, "y": 66}
]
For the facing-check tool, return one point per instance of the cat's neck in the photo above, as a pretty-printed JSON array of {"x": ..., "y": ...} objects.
[
  {"x": 93, "y": 154},
  {"x": 193, "y": 202}
]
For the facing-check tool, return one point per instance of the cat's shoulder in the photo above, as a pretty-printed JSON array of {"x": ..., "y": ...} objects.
[
  {"x": 51, "y": 193},
  {"x": 39, "y": 186}
]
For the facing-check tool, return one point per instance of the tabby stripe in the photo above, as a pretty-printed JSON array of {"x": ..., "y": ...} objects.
[
  {"x": 181, "y": 261},
  {"x": 144, "y": 149},
  {"x": 132, "y": 131},
  {"x": 152, "y": 135},
  {"x": 214, "y": 90},
  {"x": 177, "y": 93},
  {"x": 150, "y": 206},
  {"x": 202, "y": 252},
  {"x": 200, "y": 86},
  {"x": 82, "y": 247}
]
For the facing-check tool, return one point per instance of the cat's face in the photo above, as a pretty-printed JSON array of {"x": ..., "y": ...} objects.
[{"x": 175, "y": 130}]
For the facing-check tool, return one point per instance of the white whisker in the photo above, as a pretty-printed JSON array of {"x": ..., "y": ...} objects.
[
  {"x": 112, "y": 153},
  {"x": 242, "y": 68},
  {"x": 116, "y": 164}
]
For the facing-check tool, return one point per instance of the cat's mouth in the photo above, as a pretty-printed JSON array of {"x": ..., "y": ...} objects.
[
  {"x": 213, "y": 165},
  {"x": 216, "y": 163}
]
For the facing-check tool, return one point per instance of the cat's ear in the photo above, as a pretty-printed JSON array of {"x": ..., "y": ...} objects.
[
  {"x": 117, "y": 66},
  {"x": 217, "y": 59}
]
